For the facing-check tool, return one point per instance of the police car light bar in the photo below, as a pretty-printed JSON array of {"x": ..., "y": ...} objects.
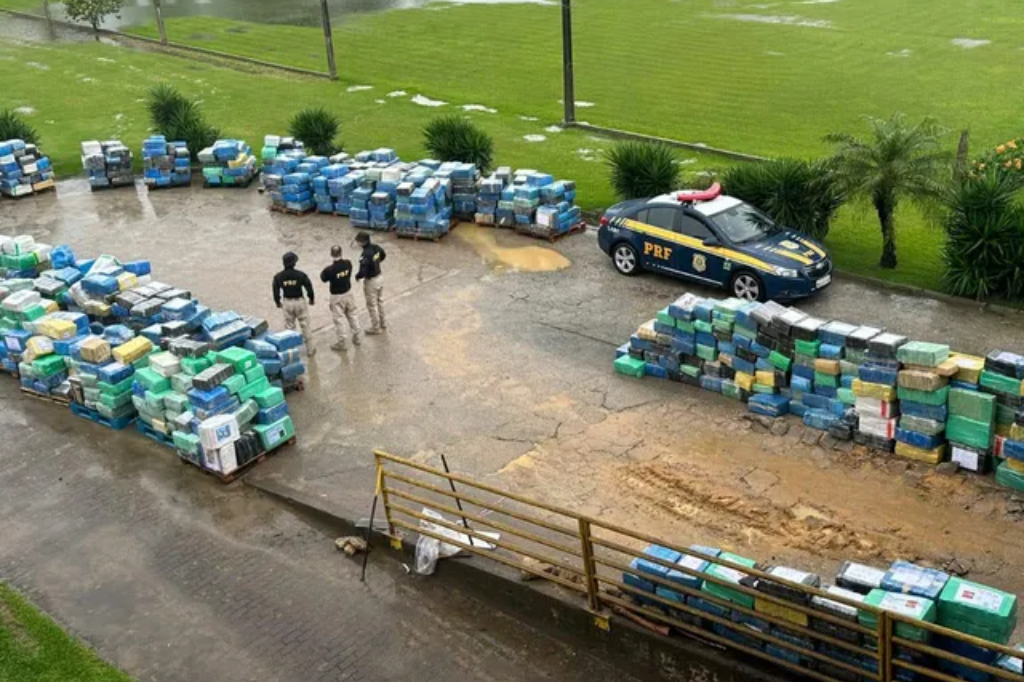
[{"x": 692, "y": 196}]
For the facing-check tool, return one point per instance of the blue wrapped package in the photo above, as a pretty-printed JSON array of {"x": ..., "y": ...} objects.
[
  {"x": 293, "y": 371},
  {"x": 741, "y": 341},
  {"x": 798, "y": 408},
  {"x": 919, "y": 440},
  {"x": 269, "y": 415},
  {"x": 1012, "y": 449},
  {"x": 261, "y": 348},
  {"x": 908, "y": 578},
  {"x": 708, "y": 607},
  {"x": 768, "y": 404},
  {"x": 662, "y": 328},
  {"x": 650, "y": 369},
  {"x": 642, "y": 566},
  {"x": 66, "y": 347},
  {"x": 820, "y": 419},
  {"x": 117, "y": 334},
  {"x": 209, "y": 399},
  {"x": 67, "y": 275},
  {"x": 759, "y": 350},
  {"x": 874, "y": 374},
  {"x": 100, "y": 285},
  {"x": 705, "y": 339},
  {"x": 741, "y": 365},
  {"x": 915, "y": 409},
  {"x": 815, "y": 401},
  {"x": 826, "y": 391},
  {"x": 139, "y": 268},
  {"x": 703, "y": 310},
  {"x": 763, "y": 365},
  {"x": 114, "y": 372},
  {"x": 846, "y": 381},
  {"x": 179, "y": 309},
  {"x": 62, "y": 257},
  {"x": 15, "y": 340},
  {"x": 271, "y": 366},
  {"x": 153, "y": 332},
  {"x": 217, "y": 320},
  {"x": 711, "y": 383},
  {"x": 669, "y": 362},
  {"x": 622, "y": 350},
  {"x": 284, "y": 340},
  {"x": 801, "y": 384},
  {"x": 830, "y": 352},
  {"x": 636, "y": 343},
  {"x": 291, "y": 356},
  {"x": 727, "y": 348}
]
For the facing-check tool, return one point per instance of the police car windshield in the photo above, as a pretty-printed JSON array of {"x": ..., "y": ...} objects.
[{"x": 744, "y": 223}]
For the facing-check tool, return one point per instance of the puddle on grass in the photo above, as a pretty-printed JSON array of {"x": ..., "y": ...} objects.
[{"x": 518, "y": 258}]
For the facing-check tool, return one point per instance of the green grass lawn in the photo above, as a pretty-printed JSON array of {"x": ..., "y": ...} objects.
[
  {"x": 724, "y": 74},
  {"x": 95, "y": 91},
  {"x": 34, "y": 649}
]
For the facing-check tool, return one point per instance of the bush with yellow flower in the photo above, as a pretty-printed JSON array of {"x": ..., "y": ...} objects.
[{"x": 1007, "y": 157}]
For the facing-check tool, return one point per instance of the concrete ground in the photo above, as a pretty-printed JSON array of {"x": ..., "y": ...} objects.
[
  {"x": 499, "y": 356},
  {"x": 172, "y": 576}
]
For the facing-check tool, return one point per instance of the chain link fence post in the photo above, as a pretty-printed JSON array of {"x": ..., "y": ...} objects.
[
  {"x": 325, "y": 19},
  {"x": 568, "y": 82},
  {"x": 49, "y": 20}
]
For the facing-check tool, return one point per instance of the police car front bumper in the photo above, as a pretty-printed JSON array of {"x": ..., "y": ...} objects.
[{"x": 808, "y": 282}]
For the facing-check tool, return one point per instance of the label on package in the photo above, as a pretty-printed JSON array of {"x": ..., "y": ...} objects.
[
  {"x": 979, "y": 597},
  {"x": 864, "y": 574},
  {"x": 903, "y": 604},
  {"x": 730, "y": 574},
  {"x": 692, "y": 562}
]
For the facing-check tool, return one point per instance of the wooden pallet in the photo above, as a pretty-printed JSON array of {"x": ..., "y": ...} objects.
[
  {"x": 290, "y": 211},
  {"x": 207, "y": 185},
  {"x": 154, "y": 435},
  {"x": 159, "y": 187},
  {"x": 575, "y": 229},
  {"x": 422, "y": 237},
  {"x": 94, "y": 416},
  {"x": 240, "y": 471},
  {"x": 45, "y": 397},
  {"x": 101, "y": 188}
]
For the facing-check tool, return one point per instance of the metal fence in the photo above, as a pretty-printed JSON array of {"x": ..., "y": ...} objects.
[{"x": 590, "y": 557}]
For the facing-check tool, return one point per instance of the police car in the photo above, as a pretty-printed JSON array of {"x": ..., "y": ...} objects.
[{"x": 714, "y": 239}]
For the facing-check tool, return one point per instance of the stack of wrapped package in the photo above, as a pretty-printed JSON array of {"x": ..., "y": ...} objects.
[
  {"x": 276, "y": 145},
  {"x": 334, "y": 171},
  {"x": 701, "y": 592},
  {"x": 165, "y": 164},
  {"x": 464, "y": 177},
  {"x": 1001, "y": 381},
  {"x": 283, "y": 165},
  {"x": 359, "y": 211},
  {"x": 24, "y": 169},
  {"x": 423, "y": 210},
  {"x": 228, "y": 163},
  {"x": 923, "y": 391},
  {"x": 108, "y": 164},
  {"x": 489, "y": 196},
  {"x": 122, "y": 349},
  {"x": 543, "y": 207}
]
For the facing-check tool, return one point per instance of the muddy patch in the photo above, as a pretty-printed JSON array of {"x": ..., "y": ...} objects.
[{"x": 517, "y": 258}]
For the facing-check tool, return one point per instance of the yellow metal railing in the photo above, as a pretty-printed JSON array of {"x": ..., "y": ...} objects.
[{"x": 589, "y": 556}]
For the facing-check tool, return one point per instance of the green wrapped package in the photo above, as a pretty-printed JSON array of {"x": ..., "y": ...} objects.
[
  {"x": 176, "y": 402},
  {"x": 239, "y": 358},
  {"x": 689, "y": 370},
  {"x": 155, "y": 401},
  {"x": 33, "y": 312},
  {"x": 978, "y": 610},
  {"x": 21, "y": 262},
  {"x": 181, "y": 382},
  {"x": 115, "y": 400},
  {"x": 254, "y": 373},
  {"x": 706, "y": 353},
  {"x": 722, "y": 325},
  {"x": 849, "y": 369},
  {"x": 89, "y": 380},
  {"x": 822, "y": 379},
  {"x": 922, "y": 353},
  {"x": 234, "y": 383},
  {"x": 274, "y": 435},
  {"x": 846, "y": 396},
  {"x": 126, "y": 410},
  {"x": 702, "y": 326},
  {"x": 1000, "y": 383},
  {"x": 269, "y": 397},
  {"x": 730, "y": 389},
  {"x": 938, "y": 397},
  {"x": 802, "y": 360},
  {"x": 929, "y": 427},
  {"x": 124, "y": 386},
  {"x": 186, "y": 442},
  {"x": 627, "y": 365},
  {"x": 972, "y": 404},
  {"x": 763, "y": 388},
  {"x": 665, "y": 318},
  {"x": 263, "y": 384},
  {"x": 686, "y": 326},
  {"x": 780, "y": 361},
  {"x": 811, "y": 348},
  {"x": 731, "y": 575},
  {"x": 151, "y": 381},
  {"x": 745, "y": 332},
  {"x": 969, "y": 432},
  {"x": 247, "y": 412},
  {"x": 921, "y": 381},
  {"x": 1005, "y": 414},
  {"x": 1006, "y": 476},
  {"x": 908, "y": 605},
  {"x": 48, "y": 365},
  {"x": 143, "y": 362},
  {"x": 194, "y": 366}
]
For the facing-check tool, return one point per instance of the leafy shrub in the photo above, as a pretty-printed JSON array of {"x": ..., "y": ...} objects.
[
  {"x": 1006, "y": 158},
  {"x": 642, "y": 169},
  {"x": 984, "y": 252},
  {"x": 92, "y": 11},
  {"x": 179, "y": 118},
  {"x": 803, "y": 195},
  {"x": 318, "y": 130},
  {"x": 14, "y": 127},
  {"x": 454, "y": 138}
]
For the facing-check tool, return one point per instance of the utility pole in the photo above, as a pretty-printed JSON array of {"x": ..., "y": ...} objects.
[
  {"x": 325, "y": 19},
  {"x": 568, "y": 84},
  {"x": 49, "y": 20},
  {"x": 160, "y": 22}
]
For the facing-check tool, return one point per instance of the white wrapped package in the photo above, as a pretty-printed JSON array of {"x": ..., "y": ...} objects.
[
  {"x": 42, "y": 251},
  {"x": 104, "y": 262},
  {"x": 23, "y": 243},
  {"x": 876, "y": 426},
  {"x": 873, "y": 407},
  {"x": 165, "y": 364},
  {"x": 218, "y": 431},
  {"x": 221, "y": 459},
  {"x": 20, "y": 301}
]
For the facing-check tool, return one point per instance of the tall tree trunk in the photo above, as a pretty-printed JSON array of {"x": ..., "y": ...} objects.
[
  {"x": 885, "y": 207},
  {"x": 96, "y": 30}
]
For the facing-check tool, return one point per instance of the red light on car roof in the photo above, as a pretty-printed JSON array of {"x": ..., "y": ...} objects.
[{"x": 691, "y": 196}]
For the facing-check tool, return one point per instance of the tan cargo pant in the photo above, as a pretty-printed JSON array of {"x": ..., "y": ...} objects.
[
  {"x": 297, "y": 310},
  {"x": 343, "y": 306},
  {"x": 374, "y": 289}
]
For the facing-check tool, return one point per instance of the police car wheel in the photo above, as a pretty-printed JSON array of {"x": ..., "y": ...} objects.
[
  {"x": 625, "y": 259},
  {"x": 747, "y": 286}
]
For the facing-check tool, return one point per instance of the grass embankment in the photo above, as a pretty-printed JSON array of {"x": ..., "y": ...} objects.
[
  {"x": 93, "y": 91},
  {"x": 34, "y": 649}
]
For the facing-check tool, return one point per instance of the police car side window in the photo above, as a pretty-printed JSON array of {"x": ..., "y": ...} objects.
[
  {"x": 640, "y": 216},
  {"x": 662, "y": 216},
  {"x": 692, "y": 227}
]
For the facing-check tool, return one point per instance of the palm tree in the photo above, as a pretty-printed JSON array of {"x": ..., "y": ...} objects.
[{"x": 897, "y": 160}]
